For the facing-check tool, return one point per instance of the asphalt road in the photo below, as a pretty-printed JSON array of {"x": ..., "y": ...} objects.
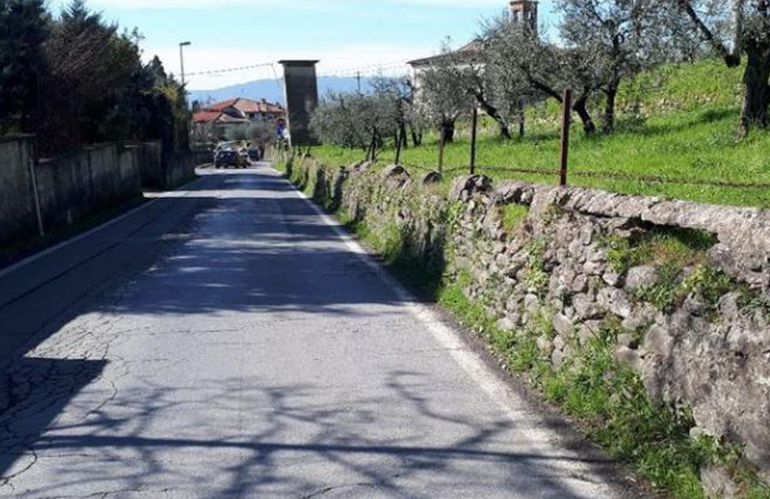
[{"x": 227, "y": 340}]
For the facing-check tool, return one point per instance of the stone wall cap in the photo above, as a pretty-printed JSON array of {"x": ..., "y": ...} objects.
[{"x": 16, "y": 137}]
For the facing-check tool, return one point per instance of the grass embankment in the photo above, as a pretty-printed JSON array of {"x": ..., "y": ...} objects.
[{"x": 680, "y": 121}]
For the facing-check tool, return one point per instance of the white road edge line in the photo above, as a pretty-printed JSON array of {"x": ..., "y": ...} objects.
[
  {"x": 501, "y": 395},
  {"x": 469, "y": 361},
  {"x": 37, "y": 256}
]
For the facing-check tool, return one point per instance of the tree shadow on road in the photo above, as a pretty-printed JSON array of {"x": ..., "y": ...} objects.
[
  {"x": 245, "y": 436},
  {"x": 298, "y": 444},
  {"x": 32, "y": 394}
]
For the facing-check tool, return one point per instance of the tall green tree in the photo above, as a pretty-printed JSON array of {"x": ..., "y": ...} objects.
[
  {"x": 90, "y": 66},
  {"x": 23, "y": 30},
  {"x": 97, "y": 89}
]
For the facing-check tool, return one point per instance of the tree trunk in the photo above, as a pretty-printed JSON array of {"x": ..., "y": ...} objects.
[
  {"x": 732, "y": 59},
  {"x": 609, "y": 109},
  {"x": 580, "y": 107},
  {"x": 416, "y": 136},
  {"x": 402, "y": 135},
  {"x": 522, "y": 118},
  {"x": 492, "y": 112},
  {"x": 756, "y": 99},
  {"x": 448, "y": 131}
]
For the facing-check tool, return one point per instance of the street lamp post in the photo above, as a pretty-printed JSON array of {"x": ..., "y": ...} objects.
[{"x": 181, "y": 57}]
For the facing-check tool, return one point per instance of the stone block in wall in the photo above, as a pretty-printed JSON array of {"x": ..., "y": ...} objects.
[
  {"x": 464, "y": 187},
  {"x": 432, "y": 178}
]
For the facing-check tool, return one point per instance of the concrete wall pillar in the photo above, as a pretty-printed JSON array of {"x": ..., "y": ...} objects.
[{"x": 301, "y": 98}]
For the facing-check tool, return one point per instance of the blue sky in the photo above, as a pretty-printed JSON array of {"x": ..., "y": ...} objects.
[{"x": 344, "y": 34}]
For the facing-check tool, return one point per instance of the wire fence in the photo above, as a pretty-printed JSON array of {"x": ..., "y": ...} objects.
[
  {"x": 565, "y": 172},
  {"x": 636, "y": 102}
]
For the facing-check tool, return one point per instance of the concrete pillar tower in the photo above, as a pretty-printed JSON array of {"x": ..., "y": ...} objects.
[
  {"x": 524, "y": 13},
  {"x": 301, "y": 86}
]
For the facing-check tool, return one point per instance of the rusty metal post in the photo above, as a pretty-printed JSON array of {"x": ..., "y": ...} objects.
[
  {"x": 441, "y": 144},
  {"x": 399, "y": 144},
  {"x": 565, "y": 125},
  {"x": 374, "y": 144},
  {"x": 474, "y": 128},
  {"x": 370, "y": 150}
]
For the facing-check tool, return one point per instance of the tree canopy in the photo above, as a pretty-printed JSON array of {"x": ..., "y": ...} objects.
[{"x": 76, "y": 79}]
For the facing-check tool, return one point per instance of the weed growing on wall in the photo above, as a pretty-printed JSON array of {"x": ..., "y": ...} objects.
[
  {"x": 513, "y": 216},
  {"x": 751, "y": 301},
  {"x": 677, "y": 247},
  {"x": 535, "y": 275},
  {"x": 681, "y": 263}
]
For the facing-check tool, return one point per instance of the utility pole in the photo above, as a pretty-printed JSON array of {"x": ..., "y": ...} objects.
[
  {"x": 358, "y": 77},
  {"x": 181, "y": 58}
]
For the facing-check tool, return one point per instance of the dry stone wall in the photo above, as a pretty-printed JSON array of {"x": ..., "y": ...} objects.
[{"x": 697, "y": 334}]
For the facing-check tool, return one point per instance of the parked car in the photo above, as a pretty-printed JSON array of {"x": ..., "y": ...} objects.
[
  {"x": 222, "y": 146},
  {"x": 255, "y": 154},
  {"x": 229, "y": 157}
]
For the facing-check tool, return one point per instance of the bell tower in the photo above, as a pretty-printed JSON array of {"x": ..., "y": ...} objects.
[{"x": 524, "y": 13}]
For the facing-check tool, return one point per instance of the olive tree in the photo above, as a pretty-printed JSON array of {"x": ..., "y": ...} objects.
[
  {"x": 733, "y": 29},
  {"x": 352, "y": 119},
  {"x": 531, "y": 65},
  {"x": 619, "y": 37},
  {"x": 507, "y": 88},
  {"x": 483, "y": 84},
  {"x": 400, "y": 93},
  {"x": 260, "y": 132},
  {"x": 443, "y": 90},
  {"x": 237, "y": 133}
]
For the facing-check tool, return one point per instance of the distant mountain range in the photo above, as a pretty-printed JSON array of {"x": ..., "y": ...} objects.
[{"x": 272, "y": 90}]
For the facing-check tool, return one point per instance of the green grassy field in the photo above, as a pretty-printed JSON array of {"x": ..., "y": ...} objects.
[{"x": 678, "y": 122}]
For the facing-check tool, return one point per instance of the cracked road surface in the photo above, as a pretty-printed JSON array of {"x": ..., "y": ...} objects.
[{"x": 226, "y": 341}]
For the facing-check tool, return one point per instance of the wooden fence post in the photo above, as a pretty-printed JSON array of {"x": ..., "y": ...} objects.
[
  {"x": 565, "y": 124},
  {"x": 474, "y": 127}
]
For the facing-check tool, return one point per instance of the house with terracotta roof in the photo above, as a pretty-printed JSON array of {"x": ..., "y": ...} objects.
[{"x": 238, "y": 112}]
